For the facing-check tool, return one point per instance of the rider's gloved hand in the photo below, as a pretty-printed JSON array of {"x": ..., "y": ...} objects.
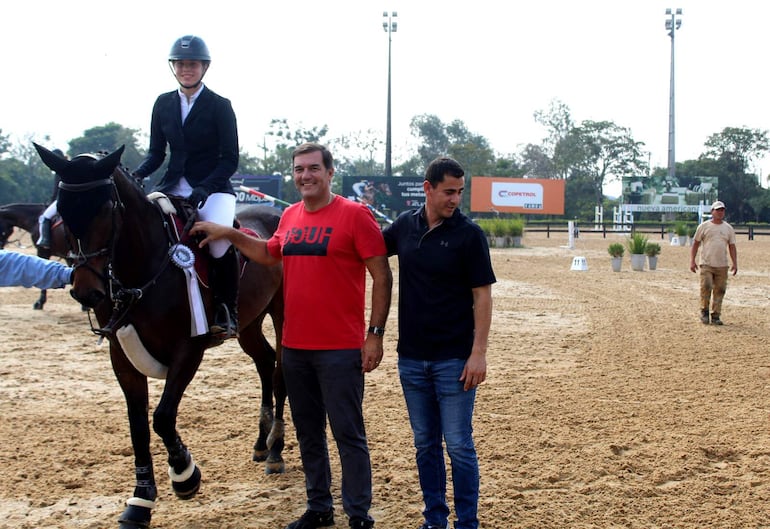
[{"x": 198, "y": 196}]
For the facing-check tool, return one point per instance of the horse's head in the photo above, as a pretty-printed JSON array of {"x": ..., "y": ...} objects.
[{"x": 87, "y": 205}]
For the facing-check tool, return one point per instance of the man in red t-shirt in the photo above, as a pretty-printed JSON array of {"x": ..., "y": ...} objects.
[{"x": 327, "y": 244}]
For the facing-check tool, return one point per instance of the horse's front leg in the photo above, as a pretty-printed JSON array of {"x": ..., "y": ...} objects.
[
  {"x": 184, "y": 473},
  {"x": 275, "y": 440},
  {"x": 270, "y": 438},
  {"x": 43, "y": 253},
  {"x": 38, "y": 305},
  {"x": 138, "y": 511}
]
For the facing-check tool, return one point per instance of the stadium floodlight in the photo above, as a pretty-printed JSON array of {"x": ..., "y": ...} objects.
[
  {"x": 673, "y": 23},
  {"x": 390, "y": 25}
]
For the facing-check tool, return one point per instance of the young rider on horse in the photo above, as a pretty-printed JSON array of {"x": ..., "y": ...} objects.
[
  {"x": 44, "y": 240},
  {"x": 199, "y": 128}
]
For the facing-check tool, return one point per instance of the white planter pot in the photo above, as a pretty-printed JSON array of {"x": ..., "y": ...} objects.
[
  {"x": 637, "y": 262},
  {"x": 652, "y": 260},
  {"x": 617, "y": 264}
]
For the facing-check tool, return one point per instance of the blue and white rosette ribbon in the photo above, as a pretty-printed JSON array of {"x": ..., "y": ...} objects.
[{"x": 184, "y": 258}]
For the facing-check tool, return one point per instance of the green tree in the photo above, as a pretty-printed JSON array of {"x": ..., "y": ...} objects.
[
  {"x": 13, "y": 177},
  {"x": 581, "y": 191},
  {"x": 355, "y": 154},
  {"x": 559, "y": 147},
  {"x": 607, "y": 152},
  {"x": 5, "y": 143},
  {"x": 746, "y": 200},
  {"x": 471, "y": 150},
  {"x": 33, "y": 181},
  {"x": 431, "y": 132},
  {"x": 740, "y": 145},
  {"x": 108, "y": 138},
  {"x": 412, "y": 167},
  {"x": 537, "y": 163}
]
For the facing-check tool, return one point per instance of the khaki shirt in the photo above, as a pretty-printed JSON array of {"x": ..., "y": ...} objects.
[{"x": 714, "y": 240}]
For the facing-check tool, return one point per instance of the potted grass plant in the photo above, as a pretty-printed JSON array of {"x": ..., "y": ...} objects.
[
  {"x": 516, "y": 231},
  {"x": 652, "y": 250},
  {"x": 499, "y": 232},
  {"x": 680, "y": 228},
  {"x": 616, "y": 251},
  {"x": 636, "y": 244}
]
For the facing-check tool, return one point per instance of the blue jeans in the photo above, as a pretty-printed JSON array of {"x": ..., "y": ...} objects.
[
  {"x": 330, "y": 383},
  {"x": 439, "y": 407}
]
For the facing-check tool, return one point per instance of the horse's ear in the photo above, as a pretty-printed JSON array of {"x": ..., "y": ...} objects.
[
  {"x": 53, "y": 161},
  {"x": 111, "y": 161}
]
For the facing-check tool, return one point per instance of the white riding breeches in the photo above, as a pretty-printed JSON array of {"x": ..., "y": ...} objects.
[
  {"x": 219, "y": 209},
  {"x": 50, "y": 211}
]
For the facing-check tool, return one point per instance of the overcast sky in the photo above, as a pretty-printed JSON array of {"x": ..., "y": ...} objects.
[{"x": 69, "y": 66}]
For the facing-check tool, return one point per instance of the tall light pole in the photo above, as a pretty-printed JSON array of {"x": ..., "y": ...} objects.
[
  {"x": 673, "y": 22},
  {"x": 390, "y": 25}
]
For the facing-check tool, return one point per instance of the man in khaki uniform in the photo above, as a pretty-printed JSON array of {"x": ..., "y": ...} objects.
[{"x": 717, "y": 238}]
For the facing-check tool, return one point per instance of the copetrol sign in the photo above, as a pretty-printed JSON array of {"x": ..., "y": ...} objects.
[{"x": 517, "y": 195}]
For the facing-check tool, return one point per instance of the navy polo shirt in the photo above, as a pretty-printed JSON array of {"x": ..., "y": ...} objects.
[{"x": 437, "y": 270}]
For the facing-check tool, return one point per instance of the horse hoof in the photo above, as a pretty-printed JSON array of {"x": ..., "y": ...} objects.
[
  {"x": 188, "y": 488},
  {"x": 259, "y": 455},
  {"x": 135, "y": 517},
  {"x": 37, "y": 306},
  {"x": 275, "y": 467},
  {"x": 125, "y": 524}
]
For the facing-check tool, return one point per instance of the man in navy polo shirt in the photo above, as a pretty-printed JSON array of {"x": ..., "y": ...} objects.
[{"x": 444, "y": 316}]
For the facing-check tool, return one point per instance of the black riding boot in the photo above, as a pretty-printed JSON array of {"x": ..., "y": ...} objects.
[
  {"x": 224, "y": 282},
  {"x": 45, "y": 233}
]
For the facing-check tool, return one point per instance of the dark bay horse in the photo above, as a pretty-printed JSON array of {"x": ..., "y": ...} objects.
[
  {"x": 25, "y": 216},
  {"x": 129, "y": 268}
]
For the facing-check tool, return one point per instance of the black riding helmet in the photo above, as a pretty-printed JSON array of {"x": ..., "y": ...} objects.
[{"x": 189, "y": 48}]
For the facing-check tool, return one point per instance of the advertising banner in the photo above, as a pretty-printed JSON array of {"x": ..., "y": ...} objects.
[
  {"x": 386, "y": 194},
  {"x": 267, "y": 184},
  {"x": 517, "y": 195},
  {"x": 666, "y": 195}
]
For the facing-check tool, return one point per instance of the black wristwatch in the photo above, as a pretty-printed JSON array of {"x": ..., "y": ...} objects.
[{"x": 377, "y": 331}]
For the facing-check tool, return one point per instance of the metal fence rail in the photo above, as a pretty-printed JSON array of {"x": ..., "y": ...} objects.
[{"x": 748, "y": 230}]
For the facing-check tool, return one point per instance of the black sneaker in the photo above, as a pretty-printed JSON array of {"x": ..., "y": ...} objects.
[
  {"x": 715, "y": 319},
  {"x": 704, "y": 317},
  {"x": 313, "y": 519},
  {"x": 361, "y": 523}
]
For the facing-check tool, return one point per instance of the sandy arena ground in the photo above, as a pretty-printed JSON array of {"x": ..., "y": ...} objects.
[{"x": 607, "y": 405}]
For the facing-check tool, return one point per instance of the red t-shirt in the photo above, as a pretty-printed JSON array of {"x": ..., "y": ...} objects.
[{"x": 324, "y": 276}]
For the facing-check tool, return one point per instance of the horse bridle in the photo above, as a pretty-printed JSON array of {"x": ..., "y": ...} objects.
[
  {"x": 122, "y": 298},
  {"x": 80, "y": 258}
]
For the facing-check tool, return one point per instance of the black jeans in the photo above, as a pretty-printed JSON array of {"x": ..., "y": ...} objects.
[{"x": 330, "y": 383}]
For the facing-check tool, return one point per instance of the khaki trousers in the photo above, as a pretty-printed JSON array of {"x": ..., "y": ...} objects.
[{"x": 713, "y": 284}]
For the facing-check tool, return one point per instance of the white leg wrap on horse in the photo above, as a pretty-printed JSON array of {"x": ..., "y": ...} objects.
[
  {"x": 141, "y": 502},
  {"x": 184, "y": 475},
  {"x": 139, "y": 357}
]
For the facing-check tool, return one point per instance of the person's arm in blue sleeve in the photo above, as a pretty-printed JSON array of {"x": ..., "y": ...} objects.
[{"x": 22, "y": 270}]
